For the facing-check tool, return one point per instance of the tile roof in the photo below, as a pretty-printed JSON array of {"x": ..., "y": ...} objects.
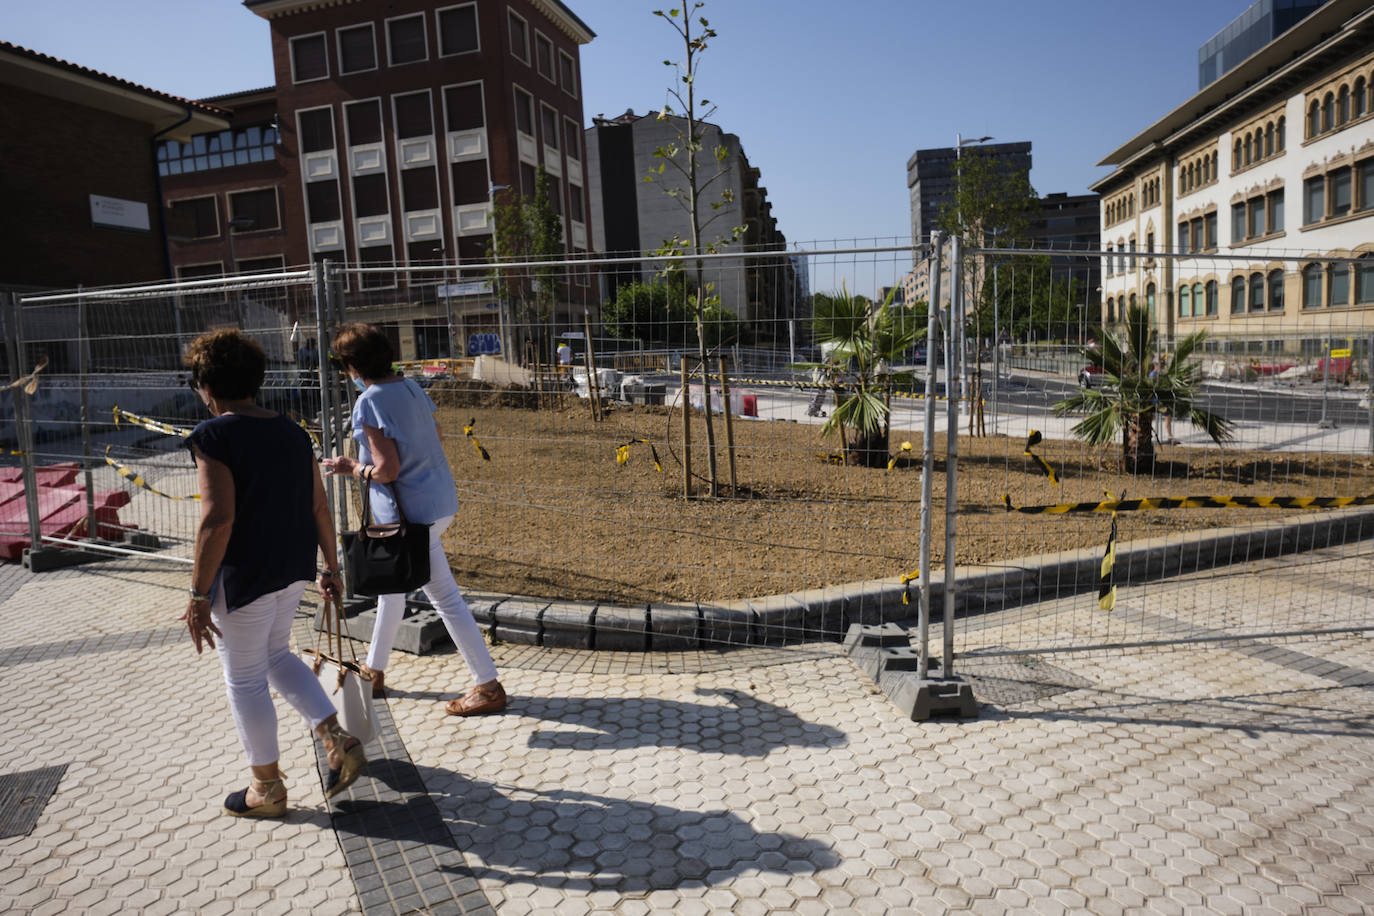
[{"x": 57, "y": 63}]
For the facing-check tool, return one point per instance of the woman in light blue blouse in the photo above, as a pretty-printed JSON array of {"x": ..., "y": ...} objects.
[{"x": 399, "y": 445}]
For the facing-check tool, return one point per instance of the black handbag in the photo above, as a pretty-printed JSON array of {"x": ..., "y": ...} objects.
[{"x": 386, "y": 559}]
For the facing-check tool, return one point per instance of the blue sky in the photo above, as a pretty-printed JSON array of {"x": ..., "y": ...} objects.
[{"x": 829, "y": 99}]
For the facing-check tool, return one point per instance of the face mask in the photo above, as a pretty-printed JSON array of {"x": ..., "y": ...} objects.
[{"x": 359, "y": 384}]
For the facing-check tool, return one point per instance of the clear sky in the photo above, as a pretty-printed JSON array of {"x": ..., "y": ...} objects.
[{"x": 828, "y": 98}]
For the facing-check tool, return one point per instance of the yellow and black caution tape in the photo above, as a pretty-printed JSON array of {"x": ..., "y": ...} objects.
[
  {"x": 907, "y": 579},
  {"x": 120, "y": 414},
  {"x": 137, "y": 480},
  {"x": 1106, "y": 589},
  {"x": 11, "y": 451},
  {"x": 1195, "y": 502},
  {"x": 903, "y": 452},
  {"x": 29, "y": 383},
  {"x": 467, "y": 431},
  {"x": 1031, "y": 441},
  {"x": 622, "y": 453}
]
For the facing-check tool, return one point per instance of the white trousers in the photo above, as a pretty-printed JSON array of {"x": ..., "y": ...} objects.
[
  {"x": 443, "y": 593},
  {"x": 255, "y": 651}
]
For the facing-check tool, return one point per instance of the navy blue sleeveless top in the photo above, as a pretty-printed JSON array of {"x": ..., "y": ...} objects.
[{"x": 273, "y": 539}]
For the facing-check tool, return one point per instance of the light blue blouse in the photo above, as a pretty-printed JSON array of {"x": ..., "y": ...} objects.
[{"x": 405, "y": 414}]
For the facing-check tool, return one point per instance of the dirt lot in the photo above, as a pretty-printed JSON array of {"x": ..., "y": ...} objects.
[{"x": 552, "y": 514}]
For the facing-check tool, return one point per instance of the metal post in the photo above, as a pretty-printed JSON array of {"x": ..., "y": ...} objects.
[
  {"x": 996, "y": 345},
  {"x": 14, "y": 339},
  {"x": 1325, "y": 422},
  {"x": 956, "y": 292},
  {"x": 928, "y": 455},
  {"x": 1369, "y": 393},
  {"x": 83, "y": 368},
  {"x": 791, "y": 341},
  {"x": 328, "y": 417}
]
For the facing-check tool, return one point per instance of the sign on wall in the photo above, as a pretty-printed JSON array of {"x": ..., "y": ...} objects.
[{"x": 113, "y": 213}]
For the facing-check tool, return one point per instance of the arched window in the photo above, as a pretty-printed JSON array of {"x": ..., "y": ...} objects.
[
  {"x": 1278, "y": 140},
  {"x": 1111, "y": 310},
  {"x": 1328, "y": 112},
  {"x": 1343, "y": 105},
  {"x": 1130, "y": 205},
  {"x": 1215, "y": 159},
  {"x": 1249, "y": 149},
  {"x": 1364, "y": 280},
  {"x": 1257, "y": 292},
  {"x": 1108, "y": 266},
  {"x": 1275, "y": 290},
  {"x": 1235, "y": 156},
  {"x": 1132, "y": 301},
  {"x": 1185, "y": 301},
  {"x": 1338, "y": 285},
  {"x": 1197, "y": 299},
  {"x": 1312, "y": 286},
  {"x": 1211, "y": 297},
  {"x": 1269, "y": 140},
  {"x": 1314, "y": 125},
  {"x": 1358, "y": 102},
  {"x": 1238, "y": 296}
]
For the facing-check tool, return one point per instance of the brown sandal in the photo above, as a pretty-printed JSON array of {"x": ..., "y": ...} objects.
[
  {"x": 479, "y": 701},
  {"x": 378, "y": 679}
]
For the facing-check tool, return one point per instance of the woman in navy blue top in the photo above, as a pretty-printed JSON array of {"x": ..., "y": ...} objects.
[
  {"x": 402, "y": 458},
  {"x": 263, "y": 512}
]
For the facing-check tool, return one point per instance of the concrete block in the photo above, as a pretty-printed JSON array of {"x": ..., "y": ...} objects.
[
  {"x": 726, "y": 626},
  {"x": 524, "y": 613},
  {"x": 778, "y": 620},
  {"x": 876, "y": 636},
  {"x": 522, "y": 636},
  {"x": 568, "y": 625},
  {"x": 923, "y": 699},
  {"x": 421, "y": 628},
  {"x": 673, "y": 627},
  {"x": 621, "y": 629}
]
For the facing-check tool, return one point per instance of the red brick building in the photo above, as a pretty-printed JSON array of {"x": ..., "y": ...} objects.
[{"x": 390, "y": 126}]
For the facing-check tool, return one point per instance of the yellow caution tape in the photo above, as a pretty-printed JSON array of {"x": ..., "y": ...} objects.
[
  {"x": 905, "y": 451},
  {"x": 147, "y": 423},
  {"x": 1033, "y": 440},
  {"x": 1106, "y": 589},
  {"x": 467, "y": 431},
  {"x": 1195, "y": 502},
  {"x": 138, "y": 480},
  {"x": 622, "y": 453}
]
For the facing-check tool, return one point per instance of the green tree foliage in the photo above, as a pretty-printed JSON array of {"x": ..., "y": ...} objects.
[
  {"x": 863, "y": 342},
  {"x": 661, "y": 313},
  {"x": 528, "y": 229},
  {"x": 1133, "y": 390}
]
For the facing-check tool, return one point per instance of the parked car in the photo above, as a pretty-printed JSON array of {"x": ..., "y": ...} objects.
[{"x": 1089, "y": 376}]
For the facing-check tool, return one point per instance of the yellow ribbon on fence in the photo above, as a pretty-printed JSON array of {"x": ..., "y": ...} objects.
[
  {"x": 1106, "y": 589},
  {"x": 467, "y": 431},
  {"x": 622, "y": 453},
  {"x": 904, "y": 452},
  {"x": 1031, "y": 441},
  {"x": 138, "y": 480},
  {"x": 1195, "y": 502},
  {"x": 29, "y": 383},
  {"x": 147, "y": 423}
]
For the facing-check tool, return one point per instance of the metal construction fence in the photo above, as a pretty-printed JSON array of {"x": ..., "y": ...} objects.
[{"x": 600, "y": 461}]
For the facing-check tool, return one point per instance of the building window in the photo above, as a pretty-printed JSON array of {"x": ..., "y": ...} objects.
[
  {"x": 1313, "y": 120},
  {"x": 1328, "y": 112},
  {"x": 376, "y": 256},
  {"x": 1185, "y": 301},
  {"x": 1314, "y": 200},
  {"x": 556, "y": 195},
  {"x": 548, "y": 123},
  {"x": 1111, "y": 310},
  {"x": 1276, "y": 210},
  {"x": 470, "y": 182},
  {"x": 316, "y": 130},
  {"x": 1184, "y": 237},
  {"x": 218, "y": 150},
  {"x": 1108, "y": 266},
  {"x": 1338, "y": 285},
  {"x": 1209, "y": 222},
  {"x": 1196, "y": 226},
  {"x": 575, "y": 207},
  {"x": 1365, "y": 184},
  {"x": 1257, "y": 292},
  {"x": 524, "y": 112},
  {"x": 567, "y": 73},
  {"x": 363, "y": 120},
  {"x": 519, "y": 37},
  {"x": 1343, "y": 105},
  {"x": 472, "y": 248},
  {"x": 357, "y": 49},
  {"x": 419, "y": 189},
  {"x": 458, "y": 30},
  {"x": 1311, "y": 286},
  {"x": 1275, "y": 290},
  {"x": 543, "y": 57},
  {"x": 308, "y": 58},
  {"x": 1340, "y": 191},
  {"x": 259, "y": 205},
  {"x": 194, "y": 218},
  {"x": 322, "y": 201},
  {"x": 463, "y": 107},
  {"x": 527, "y": 179},
  {"x": 370, "y": 195},
  {"x": 1149, "y": 301},
  {"x": 405, "y": 39},
  {"x": 1235, "y": 156},
  {"x": 1269, "y": 140},
  {"x": 1359, "y": 100},
  {"x": 274, "y": 263},
  {"x": 413, "y": 118},
  {"x": 1238, "y": 296},
  {"x": 1364, "y": 280},
  {"x": 1257, "y": 218},
  {"x": 572, "y": 140},
  {"x": 1211, "y": 297},
  {"x": 1278, "y": 134}
]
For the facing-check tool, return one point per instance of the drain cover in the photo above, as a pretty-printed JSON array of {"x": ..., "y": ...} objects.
[{"x": 23, "y": 796}]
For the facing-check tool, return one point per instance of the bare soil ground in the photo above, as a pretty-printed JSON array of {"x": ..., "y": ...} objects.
[{"x": 553, "y": 514}]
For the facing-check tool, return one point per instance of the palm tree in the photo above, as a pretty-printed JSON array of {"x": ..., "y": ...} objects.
[
  {"x": 1132, "y": 391},
  {"x": 866, "y": 342}
]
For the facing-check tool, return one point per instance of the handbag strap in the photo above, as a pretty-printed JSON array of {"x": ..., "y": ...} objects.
[
  {"x": 334, "y": 630},
  {"x": 365, "y": 497}
]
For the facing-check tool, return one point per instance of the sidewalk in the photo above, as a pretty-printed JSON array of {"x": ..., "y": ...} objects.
[{"x": 760, "y": 780}]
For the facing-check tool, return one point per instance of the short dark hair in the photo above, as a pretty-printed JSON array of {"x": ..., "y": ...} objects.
[
  {"x": 229, "y": 363},
  {"x": 366, "y": 349}
]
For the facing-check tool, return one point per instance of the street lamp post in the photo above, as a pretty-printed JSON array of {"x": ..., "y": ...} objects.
[{"x": 961, "y": 344}]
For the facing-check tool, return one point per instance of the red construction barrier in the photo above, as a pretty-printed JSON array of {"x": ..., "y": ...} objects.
[{"x": 61, "y": 508}]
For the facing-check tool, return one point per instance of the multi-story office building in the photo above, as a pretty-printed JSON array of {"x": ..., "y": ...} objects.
[
  {"x": 930, "y": 175},
  {"x": 1264, "y": 21},
  {"x": 631, "y": 216},
  {"x": 1069, "y": 222},
  {"x": 1276, "y": 157},
  {"x": 389, "y": 128}
]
